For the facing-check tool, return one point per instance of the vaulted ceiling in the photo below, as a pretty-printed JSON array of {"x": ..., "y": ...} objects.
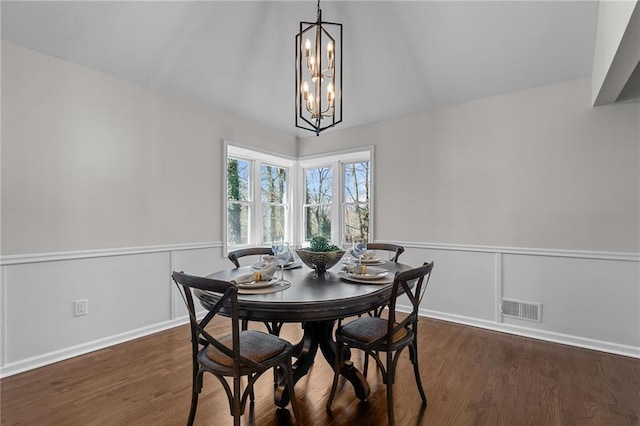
[{"x": 238, "y": 56}]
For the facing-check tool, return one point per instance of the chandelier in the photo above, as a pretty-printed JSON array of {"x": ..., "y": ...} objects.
[{"x": 318, "y": 75}]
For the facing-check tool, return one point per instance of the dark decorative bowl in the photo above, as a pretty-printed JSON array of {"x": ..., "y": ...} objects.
[{"x": 320, "y": 261}]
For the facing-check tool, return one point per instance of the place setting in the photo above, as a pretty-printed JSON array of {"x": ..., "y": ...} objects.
[
  {"x": 370, "y": 258},
  {"x": 261, "y": 281},
  {"x": 365, "y": 274},
  {"x": 291, "y": 263}
]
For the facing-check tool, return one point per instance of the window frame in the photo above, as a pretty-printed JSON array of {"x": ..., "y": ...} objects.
[
  {"x": 294, "y": 228},
  {"x": 256, "y": 159},
  {"x": 336, "y": 159}
]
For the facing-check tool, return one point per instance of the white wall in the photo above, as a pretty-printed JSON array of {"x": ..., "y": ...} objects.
[
  {"x": 102, "y": 183},
  {"x": 90, "y": 161},
  {"x": 532, "y": 195},
  {"x": 538, "y": 168}
]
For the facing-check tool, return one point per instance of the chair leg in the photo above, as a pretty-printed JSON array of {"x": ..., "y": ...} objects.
[
  {"x": 416, "y": 371},
  {"x": 292, "y": 396},
  {"x": 391, "y": 371},
  {"x": 336, "y": 374},
  {"x": 194, "y": 403},
  {"x": 365, "y": 369},
  {"x": 196, "y": 387},
  {"x": 236, "y": 409}
]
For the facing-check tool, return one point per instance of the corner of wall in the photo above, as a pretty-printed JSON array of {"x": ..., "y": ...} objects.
[{"x": 617, "y": 51}]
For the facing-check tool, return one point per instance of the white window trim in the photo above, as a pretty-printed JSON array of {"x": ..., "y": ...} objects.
[
  {"x": 295, "y": 188},
  {"x": 256, "y": 158},
  {"x": 336, "y": 159}
]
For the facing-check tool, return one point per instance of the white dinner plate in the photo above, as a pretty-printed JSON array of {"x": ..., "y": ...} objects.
[
  {"x": 372, "y": 261},
  {"x": 257, "y": 284},
  {"x": 292, "y": 265},
  {"x": 388, "y": 279},
  {"x": 369, "y": 275}
]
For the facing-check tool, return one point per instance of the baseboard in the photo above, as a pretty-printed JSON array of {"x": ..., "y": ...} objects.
[
  {"x": 71, "y": 352},
  {"x": 549, "y": 336},
  {"x": 50, "y": 358}
]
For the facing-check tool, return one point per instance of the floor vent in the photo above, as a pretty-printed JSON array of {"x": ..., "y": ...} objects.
[{"x": 523, "y": 310}]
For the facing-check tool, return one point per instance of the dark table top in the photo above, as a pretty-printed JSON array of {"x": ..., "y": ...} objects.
[{"x": 310, "y": 297}]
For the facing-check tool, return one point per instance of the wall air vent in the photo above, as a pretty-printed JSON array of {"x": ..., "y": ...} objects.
[{"x": 522, "y": 310}]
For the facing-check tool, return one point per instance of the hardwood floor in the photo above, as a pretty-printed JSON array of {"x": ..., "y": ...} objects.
[{"x": 470, "y": 375}]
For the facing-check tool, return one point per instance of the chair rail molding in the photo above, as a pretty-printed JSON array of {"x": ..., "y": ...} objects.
[
  {"x": 579, "y": 254},
  {"x": 19, "y": 259}
]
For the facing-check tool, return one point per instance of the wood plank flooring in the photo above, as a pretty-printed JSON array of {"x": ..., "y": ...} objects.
[{"x": 470, "y": 375}]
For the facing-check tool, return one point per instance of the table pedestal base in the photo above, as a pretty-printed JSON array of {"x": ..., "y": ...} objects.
[{"x": 320, "y": 334}]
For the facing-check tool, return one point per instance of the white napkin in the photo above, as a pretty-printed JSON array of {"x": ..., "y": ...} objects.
[
  {"x": 372, "y": 270},
  {"x": 264, "y": 274},
  {"x": 370, "y": 254},
  {"x": 357, "y": 269}
]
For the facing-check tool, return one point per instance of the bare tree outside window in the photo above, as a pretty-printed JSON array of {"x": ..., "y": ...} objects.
[
  {"x": 357, "y": 180},
  {"x": 274, "y": 203},
  {"x": 317, "y": 202},
  {"x": 238, "y": 201}
]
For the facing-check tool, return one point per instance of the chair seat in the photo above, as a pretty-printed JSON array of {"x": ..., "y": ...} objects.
[
  {"x": 370, "y": 329},
  {"x": 254, "y": 345}
]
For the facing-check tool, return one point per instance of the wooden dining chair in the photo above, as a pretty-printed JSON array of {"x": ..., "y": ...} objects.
[
  {"x": 235, "y": 355},
  {"x": 375, "y": 335},
  {"x": 395, "y": 251},
  {"x": 235, "y": 255},
  {"x": 393, "y": 248}
]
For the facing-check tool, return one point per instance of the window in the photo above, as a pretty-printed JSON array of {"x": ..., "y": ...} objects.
[
  {"x": 274, "y": 202},
  {"x": 318, "y": 201},
  {"x": 238, "y": 201},
  {"x": 258, "y": 198},
  {"x": 356, "y": 206},
  {"x": 336, "y": 196},
  {"x": 271, "y": 197}
]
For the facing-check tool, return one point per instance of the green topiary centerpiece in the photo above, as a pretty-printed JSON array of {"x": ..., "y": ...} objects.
[
  {"x": 321, "y": 255},
  {"x": 321, "y": 244}
]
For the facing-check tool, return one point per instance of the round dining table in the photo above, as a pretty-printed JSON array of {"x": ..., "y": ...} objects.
[{"x": 317, "y": 302}]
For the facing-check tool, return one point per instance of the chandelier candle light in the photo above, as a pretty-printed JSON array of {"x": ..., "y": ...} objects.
[{"x": 318, "y": 75}]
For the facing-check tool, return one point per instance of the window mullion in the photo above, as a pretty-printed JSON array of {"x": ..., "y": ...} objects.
[
  {"x": 336, "y": 201},
  {"x": 257, "y": 203}
]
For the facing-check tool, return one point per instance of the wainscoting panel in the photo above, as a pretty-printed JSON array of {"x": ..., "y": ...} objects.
[
  {"x": 462, "y": 283},
  {"x": 195, "y": 262},
  {"x": 129, "y": 292},
  {"x": 588, "y": 299}
]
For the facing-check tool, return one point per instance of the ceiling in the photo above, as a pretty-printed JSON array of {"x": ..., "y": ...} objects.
[{"x": 238, "y": 56}]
